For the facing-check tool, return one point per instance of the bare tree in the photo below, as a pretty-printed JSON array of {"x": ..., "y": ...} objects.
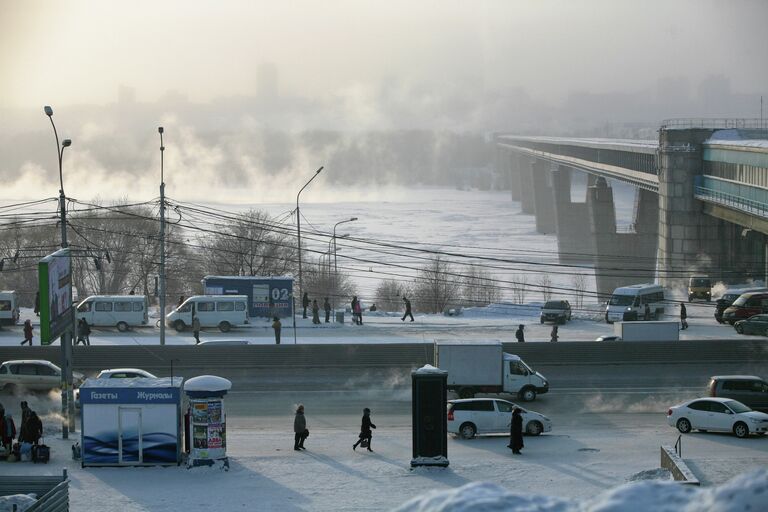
[
  {"x": 579, "y": 282},
  {"x": 479, "y": 287},
  {"x": 545, "y": 284},
  {"x": 389, "y": 295},
  {"x": 322, "y": 281},
  {"x": 519, "y": 287},
  {"x": 435, "y": 286}
]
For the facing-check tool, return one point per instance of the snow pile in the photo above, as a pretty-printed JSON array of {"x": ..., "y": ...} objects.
[
  {"x": 428, "y": 368},
  {"x": 745, "y": 492},
  {"x": 18, "y": 502},
  {"x": 210, "y": 383}
]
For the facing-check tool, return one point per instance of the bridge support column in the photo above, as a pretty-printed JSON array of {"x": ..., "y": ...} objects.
[
  {"x": 690, "y": 242},
  {"x": 622, "y": 258},
  {"x": 575, "y": 243},
  {"x": 514, "y": 161},
  {"x": 543, "y": 204},
  {"x": 526, "y": 185}
]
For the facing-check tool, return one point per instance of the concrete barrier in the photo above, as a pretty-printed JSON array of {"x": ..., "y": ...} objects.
[
  {"x": 679, "y": 469},
  {"x": 392, "y": 355}
]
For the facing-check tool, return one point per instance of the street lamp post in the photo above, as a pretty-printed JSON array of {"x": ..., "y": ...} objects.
[
  {"x": 298, "y": 225},
  {"x": 162, "y": 240},
  {"x": 67, "y": 397},
  {"x": 335, "y": 266}
]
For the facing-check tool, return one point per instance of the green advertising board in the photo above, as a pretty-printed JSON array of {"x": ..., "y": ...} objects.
[{"x": 55, "y": 281}]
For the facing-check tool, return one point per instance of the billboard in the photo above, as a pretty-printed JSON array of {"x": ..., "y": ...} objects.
[{"x": 55, "y": 281}]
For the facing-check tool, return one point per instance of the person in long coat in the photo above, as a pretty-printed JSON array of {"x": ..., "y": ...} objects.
[
  {"x": 327, "y": 308},
  {"x": 315, "y": 312},
  {"x": 365, "y": 429},
  {"x": 407, "y": 310},
  {"x": 299, "y": 429},
  {"x": 516, "y": 431},
  {"x": 277, "y": 326},
  {"x": 553, "y": 335},
  {"x": 32, "y": 429},
  {"x": 520, "y": 333},
  {"x": 27, "y": 332},
  {"x": 305, "y": 303},
  {"x": 683, "y": 317}
]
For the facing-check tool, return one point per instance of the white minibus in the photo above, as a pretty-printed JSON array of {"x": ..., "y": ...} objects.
[
  {"x": 222, "y": 311},
  {"x": 632, "y": 299},
  {"x": 9, "y": 308},
  {"x": 121, "y": 311}
]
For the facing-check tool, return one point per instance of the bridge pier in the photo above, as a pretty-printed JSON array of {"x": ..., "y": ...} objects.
[
  {"x": 575, "y": 243},
  {"x": 543, "y": 203},
  {"x": 515, "y": 183},
  {"x": 526, "y": 185},
  {"x": 622, "y": 258}
]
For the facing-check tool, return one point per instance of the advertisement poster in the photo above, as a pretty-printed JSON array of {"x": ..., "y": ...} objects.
[
  {"x": 55, "y": 282},
  {"x": 200, "y": 436},
  {"x": 214, "y": 411},
  {"x": 200, "y": 412},
  {"x": 215, "y": 438}
]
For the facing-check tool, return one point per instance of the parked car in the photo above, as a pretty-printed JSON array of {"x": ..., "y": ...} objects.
[
  {"x": 746, "y": 306},
  {"x": 558, "y": 311},
  {"x": 468, "y": 417},
  {"x": 118, "y": 373},
  {"x": 33, "y": 375},
  {"x": 750, "y": 390},
  {"x": 717, "y": 415},
  {"x": 757, "y": 324},
  {"x": 728, "y": 298}
]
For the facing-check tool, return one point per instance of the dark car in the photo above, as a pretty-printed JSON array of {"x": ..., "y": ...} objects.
[
  {"x": 757, "y": 324},
  {"x": 729, "y": 297},
  {"x": 558, "y": 311},
  {"x": 747, "y": 389},
  {"x": 746, "y": 306}
]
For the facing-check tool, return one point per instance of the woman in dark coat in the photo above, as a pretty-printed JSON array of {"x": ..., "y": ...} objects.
[
  {"x": 516, "y": 432},
  {"x": 365, "y": 429},
  {"x": 300, "y": 431}
]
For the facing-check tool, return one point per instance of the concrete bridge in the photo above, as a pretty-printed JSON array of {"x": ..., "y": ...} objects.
[{"x": 701, "y": 203}]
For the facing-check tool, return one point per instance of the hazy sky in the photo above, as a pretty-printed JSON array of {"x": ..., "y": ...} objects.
[{"x": 77, "y": 51}]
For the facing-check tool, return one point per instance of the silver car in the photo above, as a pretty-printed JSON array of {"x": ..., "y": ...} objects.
[
  {"x": 33, "y": 375},
  {"x": 472, "y": 416}
]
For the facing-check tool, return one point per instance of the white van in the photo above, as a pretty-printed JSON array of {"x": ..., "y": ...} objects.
[
  {"x": 9, "y": 308},
  {"x": 629, "y": 299},
  {"x": 222, "y": 311},
  {"x": 121, "y": 311}
]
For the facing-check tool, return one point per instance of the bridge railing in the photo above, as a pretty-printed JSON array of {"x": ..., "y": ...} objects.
[
  {"x": 747, "y": 198},
  {"x": 714, "y": 123}
]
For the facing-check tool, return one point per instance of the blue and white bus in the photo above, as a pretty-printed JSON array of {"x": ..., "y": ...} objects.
[{"x": 267, "y": 296}]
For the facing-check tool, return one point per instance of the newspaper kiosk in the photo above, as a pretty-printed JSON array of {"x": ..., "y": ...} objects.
[
  {"x": 131, "y": 422},
  {"x": 207, "y": 421}
]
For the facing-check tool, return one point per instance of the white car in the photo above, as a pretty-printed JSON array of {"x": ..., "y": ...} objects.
[
  {"x": 33, "y": 375},
  {"x": 472, "y": 416},
  {"x": 118, "y": 373},
  {"x": 717, "y": 414}
]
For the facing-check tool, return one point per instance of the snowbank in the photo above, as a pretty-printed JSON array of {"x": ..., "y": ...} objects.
[
  {"x": 745, "y": 492},
  {"x": 210, "y": 383}
]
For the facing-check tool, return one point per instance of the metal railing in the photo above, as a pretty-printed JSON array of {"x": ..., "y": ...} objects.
[
  {"x": 679, "y": 446},
  {"x": 747, "y": 198},
  {"x": 715, "y": 123},
  {"x": 52, "y": 491}
]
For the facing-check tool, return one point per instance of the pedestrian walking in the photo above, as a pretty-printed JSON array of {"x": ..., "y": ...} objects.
[
  {"x": 276, "y": 325},
  {"x": 7, "y": 430},
  {"x": 305, "y": 303},
  {"x": 300, "y": 432},
  {"x": 25, "y": 412},
  {"x": 315, "y": 312},
  {"x": 32, "y": 429},
  {"x": 181, "y": 301},
  {"x": 357, "y": 311},
  {"x": 516, "y": 431},
  {"x": 364, "y": 439},
  {"x": 87, "y": 332},
  {"x": 553, "y": 335},
  {"x": 407, "y": 309},
  {"x": 27, "y": 332},
  {"x": 647, "y": 312},
  {"x": 327, "y": 308},
  {"x": 37, "y": 303},
  {"x": 519, "y": 334},
  {"x": 683, "y": 317},
  {"x": 80, "y": 332},
  {"x": 196, "y": 329}
]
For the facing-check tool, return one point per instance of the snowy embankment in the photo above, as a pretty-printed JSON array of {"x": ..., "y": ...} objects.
[{"x": 744, "y": 492}]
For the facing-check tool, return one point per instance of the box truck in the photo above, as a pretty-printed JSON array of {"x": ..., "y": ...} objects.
[
  {"x": 484, "y": 367},
  {"x": 647, "y": 331}
]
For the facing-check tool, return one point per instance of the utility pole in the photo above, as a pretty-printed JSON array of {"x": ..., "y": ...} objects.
[
  {"x": 67, "y": 396},
  {"x": 162, "y": 241},
  {"x": 298, "y": 225}
]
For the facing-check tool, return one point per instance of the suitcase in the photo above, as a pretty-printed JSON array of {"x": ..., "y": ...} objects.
[{"x": 41, "y": 453}]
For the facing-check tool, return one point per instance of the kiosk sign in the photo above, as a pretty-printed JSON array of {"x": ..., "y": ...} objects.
[{"x": 55, "y": 282}]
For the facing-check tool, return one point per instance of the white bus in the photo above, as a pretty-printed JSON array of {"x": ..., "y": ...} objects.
[
  {"x": 629, "y": 299},
  {"x": 121, "y": 311},
  {"x": 222, "y": 311},
  {"x": 9, "y": 308}
]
